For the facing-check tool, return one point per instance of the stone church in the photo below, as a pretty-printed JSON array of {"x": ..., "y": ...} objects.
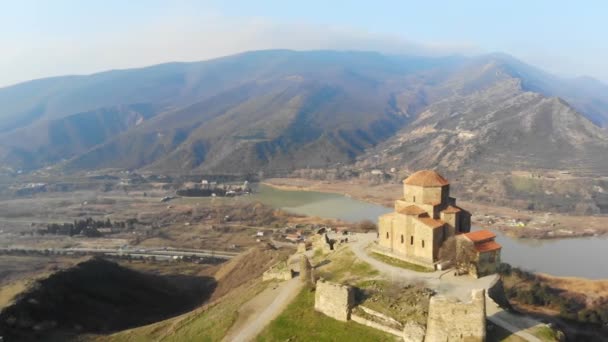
[{"x": 423, "y": 219}]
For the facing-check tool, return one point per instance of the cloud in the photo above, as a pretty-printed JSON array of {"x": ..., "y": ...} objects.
[{"x": 190, "y": 38}]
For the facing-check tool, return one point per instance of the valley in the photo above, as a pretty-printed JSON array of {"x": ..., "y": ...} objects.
[
  {"x": 183, "y": 227},
  {"x": 197, "y": 183}
]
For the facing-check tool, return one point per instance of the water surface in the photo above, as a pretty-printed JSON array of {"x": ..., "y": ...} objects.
[{"x": 575, "y": 257}]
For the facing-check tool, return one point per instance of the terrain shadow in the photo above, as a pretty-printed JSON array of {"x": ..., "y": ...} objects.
[{"x": 99, "y": 296}]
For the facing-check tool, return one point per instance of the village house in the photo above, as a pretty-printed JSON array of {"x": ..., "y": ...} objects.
[{"x": 424, "y": 219}]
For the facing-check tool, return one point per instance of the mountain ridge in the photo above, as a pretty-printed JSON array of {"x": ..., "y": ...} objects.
[{"x": 275, "y": 110}]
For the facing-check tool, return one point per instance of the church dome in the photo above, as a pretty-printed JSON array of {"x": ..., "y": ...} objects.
[{"x": 426, "y": 178}]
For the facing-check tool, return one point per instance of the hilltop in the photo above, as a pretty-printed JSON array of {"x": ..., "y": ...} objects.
[{"x": 98, "y": 296}]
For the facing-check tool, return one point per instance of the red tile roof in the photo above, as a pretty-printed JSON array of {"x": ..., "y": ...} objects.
[
  {"x": 412, "y": 210},
  {"x": 487, "y": 246},
  {"x": 480, "y": 235},
  {"x": 428, "y": 178}
]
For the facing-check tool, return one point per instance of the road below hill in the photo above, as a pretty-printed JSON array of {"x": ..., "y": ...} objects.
[{"x": 156, "y": 252}]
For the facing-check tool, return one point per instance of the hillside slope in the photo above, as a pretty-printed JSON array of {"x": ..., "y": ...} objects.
[
  {"x": 47, "y": 142},
  {"x": 96, "y": 296},
  {"x": 281, "y": 110},
  {"x": 500, "y": 128}
]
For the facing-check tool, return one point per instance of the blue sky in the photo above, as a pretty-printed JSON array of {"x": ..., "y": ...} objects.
[{"x": 47, "y": 38}]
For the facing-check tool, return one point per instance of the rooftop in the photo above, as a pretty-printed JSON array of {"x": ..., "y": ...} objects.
[
  {"x": 432, "y": 223},
  {"x": 412, "y": 210},
  {"x": 480, "y": 235},
  {"x": 428, "y": 178},
  {"x": 487, "y": 246},
  {"x": 451, "y": 209}
]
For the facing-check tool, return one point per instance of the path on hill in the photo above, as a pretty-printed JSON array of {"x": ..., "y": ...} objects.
[
  {"x": 445, "y": 283},
  {"x": 262, "y": 309}
]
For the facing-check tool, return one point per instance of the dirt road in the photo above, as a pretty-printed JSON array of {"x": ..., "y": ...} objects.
[{"x": 261, "y": 310}]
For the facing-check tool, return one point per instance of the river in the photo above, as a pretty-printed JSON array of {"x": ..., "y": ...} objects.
[{"x": 573, "y": 257}]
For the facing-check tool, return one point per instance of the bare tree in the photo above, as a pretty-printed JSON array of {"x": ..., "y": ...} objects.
[{"x": 460, "y": 252}]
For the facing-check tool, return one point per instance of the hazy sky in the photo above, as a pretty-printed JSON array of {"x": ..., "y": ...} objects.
[{"x": 56, "y": 37}]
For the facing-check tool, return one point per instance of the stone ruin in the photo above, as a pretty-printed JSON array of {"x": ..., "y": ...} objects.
[
  {"x": 307, "y": 275},
  {"x": 303, "y": 247},
  {"x": 448, "y": 320},
  {"x": 324, "y": 243},
  {"x": 280, "y": 271},
  {"x": 452, "y": 320},
  {"x": 334, "y": 300}
]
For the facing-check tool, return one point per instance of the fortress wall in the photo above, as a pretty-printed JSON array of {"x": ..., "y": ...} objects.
[
  {"x": 376, "y": 326},
  {"x": 452, "y": 320},
  {"x": 334, "y": 300}
]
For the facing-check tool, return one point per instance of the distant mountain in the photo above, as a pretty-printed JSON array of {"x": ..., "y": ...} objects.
[
  {"x": 279, "y": 110},
  {"x": 501, "y": 127},
  {"x": 48, "y": 141}
]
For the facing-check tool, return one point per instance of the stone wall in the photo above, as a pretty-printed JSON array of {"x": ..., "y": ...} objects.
[
  {"x": 334, "y": 300},
  {"x": 280, "y": 271},
  {"x": 324, "y": 243},
  {"x": 452, "y": 320},
  {"x": 376, "y": 326},
  {"x": 303, "y": 247}
]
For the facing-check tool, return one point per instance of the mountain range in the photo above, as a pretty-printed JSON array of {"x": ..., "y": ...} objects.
[{"x": 280, "y": 110}]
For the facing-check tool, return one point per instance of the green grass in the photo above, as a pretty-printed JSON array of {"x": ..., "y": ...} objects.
[
  {"x": 545, "y": 333},
  {"x": 345, "y": 267},
  {"x": 499, "y": 334},
  {"x": 400, "y": 263},
  {"x": 318, "y": 253},
  {"x": 300, "y": 322}
]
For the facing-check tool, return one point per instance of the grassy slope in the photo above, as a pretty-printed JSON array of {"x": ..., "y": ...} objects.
[
  {"x": 300, "y": 322},
  {"x": 343, "y": 266},
  {"x": 100, "y": 296},
  {"x": 400, "y": 263},
  {"x": 238, "y": 281}
]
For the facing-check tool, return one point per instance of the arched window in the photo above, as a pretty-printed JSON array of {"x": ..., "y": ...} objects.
[
  {"x": 387, "y": 235},
  {"x": 412, "y": 240},
  {"x": 402, "y": 238},
  {"x": 422, "y": 243},
  {"x": 414, "y": 199}
]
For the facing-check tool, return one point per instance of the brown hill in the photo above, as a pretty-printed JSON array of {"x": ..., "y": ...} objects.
[
  {"x": 500, "y": 128},
  {"x": 276, "y": 111},
  {"x": 97, "y": 296}
]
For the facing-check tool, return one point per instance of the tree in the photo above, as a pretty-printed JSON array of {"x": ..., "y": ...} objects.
[
  {"x": 460, "y": 252},
  {"x": 367, "y": 226}
]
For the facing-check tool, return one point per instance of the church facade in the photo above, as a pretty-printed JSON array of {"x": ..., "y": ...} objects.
[{"x": 423, "y": 219}]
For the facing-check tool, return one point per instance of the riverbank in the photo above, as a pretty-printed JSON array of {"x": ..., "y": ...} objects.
[
  {"x": 513, "y": 222},
  {"x": 578, "y": 306}
]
